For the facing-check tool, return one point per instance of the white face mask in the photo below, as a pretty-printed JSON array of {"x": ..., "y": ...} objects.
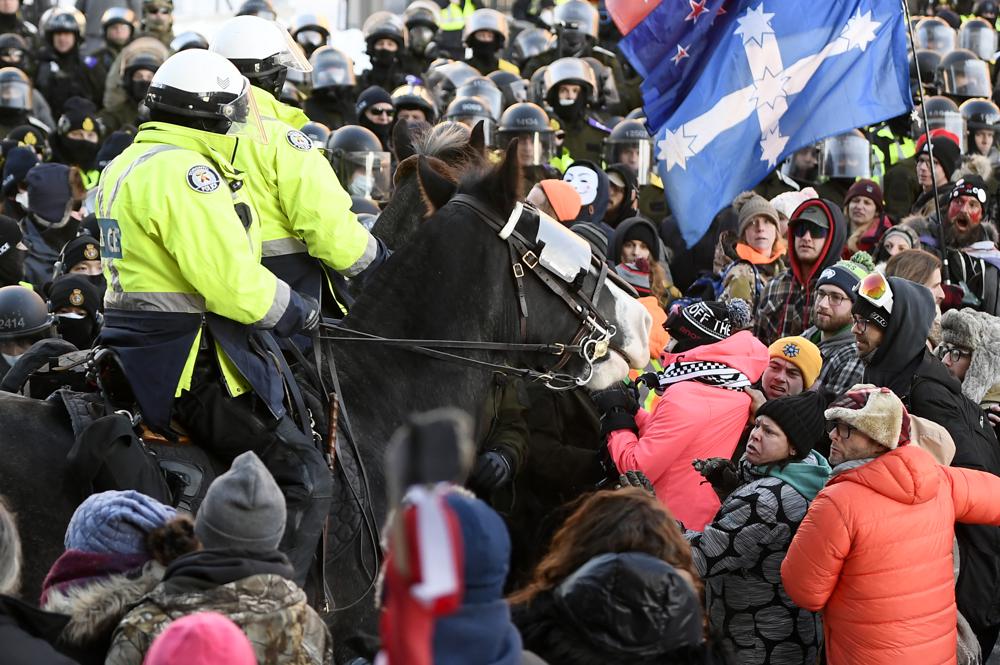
[
  {"x": 361, "y": 185},
  {"x": 71, "y": 315},
  {"x": 22, "y": 199},
  {"x": 584, "y": 181},
  {"x": 566, "y": 102}
]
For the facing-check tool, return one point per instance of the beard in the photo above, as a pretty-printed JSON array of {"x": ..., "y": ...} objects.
[
  {"x": 829, "y": 323},
  {"x": 953, "y": 237}
]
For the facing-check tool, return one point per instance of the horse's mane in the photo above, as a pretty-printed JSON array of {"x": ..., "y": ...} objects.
[{"x": 449, "y": 143}]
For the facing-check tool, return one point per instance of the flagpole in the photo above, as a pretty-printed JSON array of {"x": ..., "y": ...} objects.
[{"x": 945, "y": 273}]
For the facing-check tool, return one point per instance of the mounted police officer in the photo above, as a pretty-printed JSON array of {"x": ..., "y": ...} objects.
[
  {"x": 305, "y": 215},
  {"x": 189, "y": 308}
]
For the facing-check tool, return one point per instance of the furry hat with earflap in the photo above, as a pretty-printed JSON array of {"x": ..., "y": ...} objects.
[
  {"x": 874, "y": 411},
  {"x": 980, "y": 333}
]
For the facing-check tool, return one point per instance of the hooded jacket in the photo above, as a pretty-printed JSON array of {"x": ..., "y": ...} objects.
[
  {"x": 691, "y": 421},
  {"x": 737, "y": 554},
  {"x": 874, "y": 554},
  {"x": 785, "y": 305}
]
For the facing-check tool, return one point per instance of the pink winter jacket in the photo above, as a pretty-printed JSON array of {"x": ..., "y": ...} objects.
[{"x": 692, "y": 420}]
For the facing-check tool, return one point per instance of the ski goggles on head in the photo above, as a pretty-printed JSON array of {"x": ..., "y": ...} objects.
[{"x": 875, "y": 289}]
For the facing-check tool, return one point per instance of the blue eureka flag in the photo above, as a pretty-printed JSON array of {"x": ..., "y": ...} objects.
[{"x": 773, "y": 76}]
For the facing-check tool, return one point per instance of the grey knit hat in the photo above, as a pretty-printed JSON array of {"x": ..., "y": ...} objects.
[
  {"x": 980, "y": 333},
  {"x": 750, "y": 204},
  {"x": 243, "y": 509}
]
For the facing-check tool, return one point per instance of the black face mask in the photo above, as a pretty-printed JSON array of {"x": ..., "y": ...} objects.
[
  {"x": 79, "y": 152},
  {"x": 12, "y": 266},
  {"x": 484, "y": 50},
  {"x": 100, "y": 283},
  {"x": 382, "y": 58},
  {"x": 383, "y": 132},
  {"x": 78, "y": 332},
  {"x": 573, "y": 112},
  {"x": 137, "y": 90}
]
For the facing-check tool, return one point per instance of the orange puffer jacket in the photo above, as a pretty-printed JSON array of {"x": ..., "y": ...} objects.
[{"x": 874, "y": 553}]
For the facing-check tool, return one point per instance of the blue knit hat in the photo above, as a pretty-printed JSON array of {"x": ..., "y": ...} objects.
[
  {"x": 115, "y": 523},
  {"x": 487, "y": 548},
  {"x": 49, "y": 191},
  {"x": 19, "y": 161}
]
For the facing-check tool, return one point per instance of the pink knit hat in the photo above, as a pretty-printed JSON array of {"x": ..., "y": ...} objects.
[{"x": 205, "y": 638}]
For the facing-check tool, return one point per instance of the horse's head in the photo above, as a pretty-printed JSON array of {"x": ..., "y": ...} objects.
[{"x": 557, "y": 293}]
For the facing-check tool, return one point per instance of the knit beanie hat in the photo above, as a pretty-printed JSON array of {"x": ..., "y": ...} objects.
[
  {"x": 203, "y": 638},
  {"x": 243, "y": 509},
  {"x": 867, "y": 188},
  {"x": 971, "y": 185},
  {"x": 946, "y": 152},
  {"x": 115, "y": 522},
  {"x": 113, "y": 146},
  {"x": 486, "y": 545},
  {"x": 563, "y": 198},
  {"x": 593, "y": 234},
  {"x": 74, "y": 290},
  {"x": 800, "y": 417},
  {"x": 49, "y": 192},
  {"x": 635, "y": 228},
  {"x": 786, "y": 202},
  {"x": 750, "y": 204},
  {"x": 15, "y": 168},
  {"x": 846, "y": 274},
  {"x": 802, "y": 353},
  {"x": 707, "y": 323},
  {"x": 874, "y": 411},
  {"x": 904, "y": 230},
  {"x": 29, "y": 136},
  {"x": 10, "y": 235},
  {"x": 79, "y": 249},
  {"x": 79, "y": 113},
  {"x": 370, "y": 97}
]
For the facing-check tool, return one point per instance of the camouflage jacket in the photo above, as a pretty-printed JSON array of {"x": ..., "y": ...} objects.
[{"x": 270, "y": 609}]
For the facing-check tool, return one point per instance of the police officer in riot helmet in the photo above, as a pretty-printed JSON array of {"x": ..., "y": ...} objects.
[
  {"x": 188, "y": 39},
  {"x": 310, "y": 31},
  {"x": 24, "y": 320},
  {"x": 529, "y": 44},
  {"x": 802, "y": 166},
  {"x": 471, "y": 111},
  {"x": 361, "y": 164},
  {"x": 259, "y": 8},
  {"x": 317, "y": 132},
  {"x": 570, "y": 85},
  {"x": 11, "y": 20},
  {"x": 62, "y": 70},
  {"x": 485, "y": 89},
  {"x": 988, "y": 10},
  {"x": 15, "y": 52},
  {"x": 962, "y": 75},
  {"x": 385, "y": 44},
  {"x": 118, "y": 25},
  {"x": 924, "y": 63},
  {"x": 843, "y": 159},
  {"x": 421, "y": 20},
  {"x": 631, "y": 145},
  {"x": 332, "y": 98},
  {"x": 980, "y": 37},
  {"x": 935, "y": 34},
  {"x": 16, "y": 98},
  {"x": 485, "y": 35},
  {"x": 982, "y": 120},
  {"x": 513, "y": 88},
  {"x": 576, "y": 28},
  {"x": 414, "y": 104},
  {"x": 529, "y": 125}
]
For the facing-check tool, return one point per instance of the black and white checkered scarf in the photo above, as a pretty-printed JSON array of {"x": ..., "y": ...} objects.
[{"x": 702, "y": 371}]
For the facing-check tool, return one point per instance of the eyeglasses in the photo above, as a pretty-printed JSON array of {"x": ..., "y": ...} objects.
[
  {"x": 815, "y": 230},
  {"x": 835, "y": 298},
  {"x": 956, "y": 353},
  {"x": 383, "y": 111},
  {"x": 844, "y": 431},
  {"x": 860, "y": 323},
  {"x": 875, "y": 289}
]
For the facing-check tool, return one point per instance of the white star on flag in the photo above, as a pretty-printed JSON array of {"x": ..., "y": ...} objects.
[
  {"x": 681, "y": 54},
  {"x": 770, "y": 88},
  {"x": 754, "y": 25},
  {"x": 675, "y": 148},
  {"x": 771, "y": 145},
  {"x": 860, "y": 30}
]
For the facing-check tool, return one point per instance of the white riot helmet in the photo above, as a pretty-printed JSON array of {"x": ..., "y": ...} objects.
[
  {"x": 202, "y": 85},
  {"x": 261, "y": 50}
]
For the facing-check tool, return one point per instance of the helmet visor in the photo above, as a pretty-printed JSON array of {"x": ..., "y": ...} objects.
[
  {"x": 951, "y": 121},
  {"x": 15, "y": 95},
  {"x": 366, "y": 174},
  {"x": 332, "y": 77},
  {"x": 846, "y": 156},
  {"x": 533, "y": 148},
  {"x": 292, "y": 57},
  {"x": 636, "y": 154},
  {"x": 936, "y": 36},
  {"x": 967, "y": 78},
  {"x": 982, "y": 42},
  {"x": 244, "y": 117}
]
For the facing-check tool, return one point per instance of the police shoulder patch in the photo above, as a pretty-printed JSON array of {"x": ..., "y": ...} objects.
[
  {"x": 298, "y": 140},
  {"x": 204, "y": 179}
]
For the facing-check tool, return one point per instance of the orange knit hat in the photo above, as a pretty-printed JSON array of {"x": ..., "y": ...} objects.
[{"x": 563, "y": 198}]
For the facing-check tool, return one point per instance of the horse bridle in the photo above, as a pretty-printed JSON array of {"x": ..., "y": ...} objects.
[{"x": 593, "y": 337}]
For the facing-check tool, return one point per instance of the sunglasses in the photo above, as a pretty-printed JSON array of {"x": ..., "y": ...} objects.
[
  {"x": 844, "y": 431},
  {"x": 954, "y": 352},
  {"x": 875, "y": 289},
  {"x": 386, "y": 112},
  {"x": 814, "y": 230}
]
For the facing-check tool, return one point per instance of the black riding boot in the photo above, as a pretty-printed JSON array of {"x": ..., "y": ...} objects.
[{"x": 228, "y": 426}]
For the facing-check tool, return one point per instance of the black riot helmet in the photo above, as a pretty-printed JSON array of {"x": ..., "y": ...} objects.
[
  {"x": 23, "y": 313},
  {"x": 486, "y": 19},
  {"x": 979, "y": 36},
  {"x": 942, "y": 113},
  {"x": 14, "y": 49},
  {"x": 15, "y": 90},
  {"x": 421, "y": 20},
  {"x": 513, "y": 88},
  {"x": 470, "y": 111},
  {"x": 485, "y": 89},
  {"x": 629, "y": 143},
  {"x": 962, "y": 75},
  {"x": 384, "y": 25},
  {"x": 980, "y": 115},
  {"x": 186, "y": 40},
  {"x": 528, "y": 123},
  {"x": 62, "y": 19},
  {"x": 935, "y": 34},
  {"x": 531, "y": 43},
  {"x": 361, "y": 164},
  {"x": 414, "y": 96},
  {"x": 318, "y": 132},
  {"x": 310, "y": 31},
  {"x": 569, "y": 70},
  {"x": 332, "y": 69},
  {"x": 119, "y": 16},
  {"x": 987, "y": 9},
  {"x": 260, "y": 8},
  {"x": 928, "y": 61},
  {"x": 576, "y": 24}
]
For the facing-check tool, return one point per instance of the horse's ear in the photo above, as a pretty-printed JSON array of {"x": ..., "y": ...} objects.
[
  {"x": 478, "y": 139},
  {"x": 509, "y": 175},
  {"x": 436, "y": 189},
  {"x": 402, "y": 141}
]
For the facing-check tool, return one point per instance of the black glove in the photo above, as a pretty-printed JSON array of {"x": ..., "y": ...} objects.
[
  {"x": 491, "y": 471},
  {"x": 617, "y": 406},
  {"x": 635, "y": 479},
  {"x": 312, "y": 314},
  {"x": 720, "y": 472}
]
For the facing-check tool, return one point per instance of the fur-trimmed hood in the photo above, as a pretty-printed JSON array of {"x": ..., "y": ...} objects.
[
  {"x": 979, "y": 332},
  {"x": 926, "y": 228},
  {"x": 95, "y": 609}
]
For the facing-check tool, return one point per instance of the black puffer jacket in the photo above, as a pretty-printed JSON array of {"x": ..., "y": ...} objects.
[
  {"x": 617, "y": 608},
  {"x": 26, "y": 632}
]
